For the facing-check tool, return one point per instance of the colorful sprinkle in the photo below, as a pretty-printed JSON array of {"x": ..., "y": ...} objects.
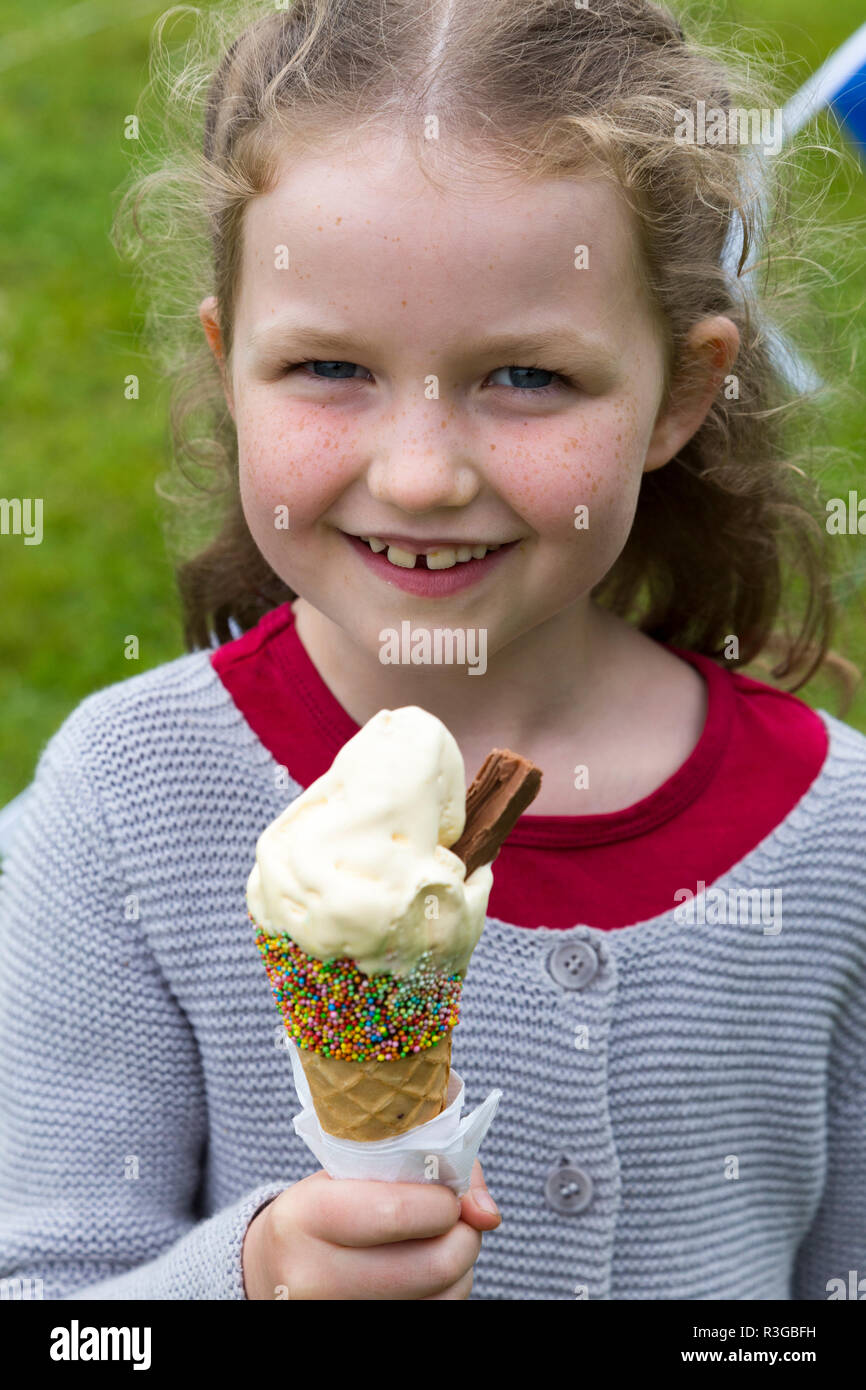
[{"x": 333, "y": 1008}]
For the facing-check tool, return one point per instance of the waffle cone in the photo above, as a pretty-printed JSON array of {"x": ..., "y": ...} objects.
[{"x": 378, "y": 1100}]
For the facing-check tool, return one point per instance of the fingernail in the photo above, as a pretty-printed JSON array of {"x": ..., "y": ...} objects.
[{"x": 486, "y": 1202}]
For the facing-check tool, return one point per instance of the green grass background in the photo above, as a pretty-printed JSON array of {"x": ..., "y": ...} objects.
[{"x": 68, "y": 338}]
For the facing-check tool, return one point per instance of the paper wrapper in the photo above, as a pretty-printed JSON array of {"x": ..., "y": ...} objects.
[{"x": 443, "y": 1150}]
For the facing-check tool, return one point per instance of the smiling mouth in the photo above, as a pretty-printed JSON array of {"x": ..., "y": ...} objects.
[{"x": 443, "y": 558}]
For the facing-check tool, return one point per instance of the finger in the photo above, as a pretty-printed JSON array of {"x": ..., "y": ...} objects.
[
  {"x": 474, "y": 1207},
  {"x": 410, "y": 1269},
  {"x": 461, "y": 1289},
  {"x": 357, "y": 1213}
]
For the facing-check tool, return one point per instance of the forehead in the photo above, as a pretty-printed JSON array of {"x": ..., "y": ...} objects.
[{"x": 365, "y": 219}]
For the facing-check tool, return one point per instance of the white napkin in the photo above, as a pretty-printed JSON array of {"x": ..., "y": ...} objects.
[{"x": 442, "y": 1150}]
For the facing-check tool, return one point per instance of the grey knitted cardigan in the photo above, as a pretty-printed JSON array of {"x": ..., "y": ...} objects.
[{"x": 718, "y": 1107}]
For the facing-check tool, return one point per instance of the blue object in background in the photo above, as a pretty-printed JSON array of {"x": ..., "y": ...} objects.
[{"x": 840, "y": 86}]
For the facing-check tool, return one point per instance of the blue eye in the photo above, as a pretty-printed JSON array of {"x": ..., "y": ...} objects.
[
  {"x": 341, "y": 370},
  {"x": 525, "y": 384},
  {"x": 528, "y": 377}
]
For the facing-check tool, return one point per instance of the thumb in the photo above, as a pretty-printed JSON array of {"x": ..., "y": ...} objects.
[{"x": 472, "y": 1207}]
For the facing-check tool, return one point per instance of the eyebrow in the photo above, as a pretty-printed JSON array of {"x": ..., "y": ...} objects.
[
  {"x": 311, "y": 334},
  {"x": 558, "y": 338}
]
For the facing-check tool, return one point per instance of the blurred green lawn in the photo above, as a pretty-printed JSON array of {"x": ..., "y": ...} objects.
[{"x": 68, "y": 338}]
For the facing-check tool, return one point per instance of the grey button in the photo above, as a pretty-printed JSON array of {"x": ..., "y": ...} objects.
[
  {"x": 573, "y": 964},
  {"x": 568, "y": 1189}
]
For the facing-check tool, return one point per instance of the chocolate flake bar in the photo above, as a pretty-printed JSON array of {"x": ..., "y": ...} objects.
[{"x": 504, "y": 786}]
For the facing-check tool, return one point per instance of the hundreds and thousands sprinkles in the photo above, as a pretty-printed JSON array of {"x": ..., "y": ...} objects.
[{"x": 333, "y": 1008}]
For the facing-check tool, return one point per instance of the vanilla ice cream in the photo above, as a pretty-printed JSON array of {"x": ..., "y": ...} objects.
[{"x": 358, "y": 865}]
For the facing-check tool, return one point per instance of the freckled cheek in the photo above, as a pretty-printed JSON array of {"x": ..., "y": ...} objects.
[
  {"x": 288, "y": 457},
  {"x": 596, "y": 467}
]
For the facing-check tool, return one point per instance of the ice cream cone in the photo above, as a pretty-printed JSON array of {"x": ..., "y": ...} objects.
[
  {"x": 382, "y": 1093},
  {"x": 378, "y": 1100},
  {"x": 366, "y": 917}
]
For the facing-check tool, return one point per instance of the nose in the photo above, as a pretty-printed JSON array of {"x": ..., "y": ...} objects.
[{"x": 419, "y": 477}]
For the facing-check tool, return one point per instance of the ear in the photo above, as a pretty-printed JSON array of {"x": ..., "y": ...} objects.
[
  {"x": 208, "y": 312},
  {"x": 711, "y": 350}
]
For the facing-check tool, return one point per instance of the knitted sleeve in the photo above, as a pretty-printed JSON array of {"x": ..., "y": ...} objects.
[
  {"x": 102, "y": 1105},
  {"x": 831, "y": 1260}
]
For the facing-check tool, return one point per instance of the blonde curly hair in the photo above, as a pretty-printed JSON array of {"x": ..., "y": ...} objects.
[{"x": 726, "y": 533}]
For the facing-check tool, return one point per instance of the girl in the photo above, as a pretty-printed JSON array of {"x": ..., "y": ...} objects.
[{"x": 471, "y": 364}]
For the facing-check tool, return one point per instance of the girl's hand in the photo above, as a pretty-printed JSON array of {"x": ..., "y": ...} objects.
[{"x": 326, "y": 1239}]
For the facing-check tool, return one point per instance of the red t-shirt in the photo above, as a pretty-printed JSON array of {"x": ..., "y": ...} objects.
[{"x": 759, "y": 752}]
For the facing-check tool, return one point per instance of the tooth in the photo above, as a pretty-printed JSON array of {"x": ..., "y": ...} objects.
[
  {"x": 404, "y": 558},
  {"x": 464, "y": 552},
  {"x": 374, "y": 543},
  {"x": 478, "y": 552},
  {"x": 441, "y": 559}
]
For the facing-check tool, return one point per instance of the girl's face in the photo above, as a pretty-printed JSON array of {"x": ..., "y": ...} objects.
[{"x": 428, "y": 367}]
